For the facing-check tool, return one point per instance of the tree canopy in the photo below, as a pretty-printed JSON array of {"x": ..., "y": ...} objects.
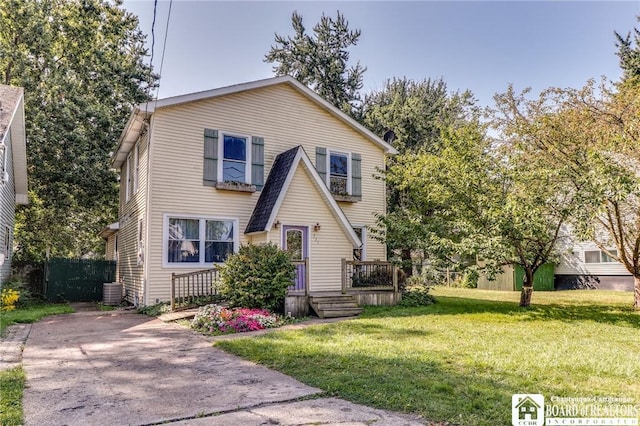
[
  {"x": 321, "y": 60},
  {"x": 81, "y": 64}
]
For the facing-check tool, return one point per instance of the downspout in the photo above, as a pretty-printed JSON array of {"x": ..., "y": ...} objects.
[{"x": 147, "y": 215}]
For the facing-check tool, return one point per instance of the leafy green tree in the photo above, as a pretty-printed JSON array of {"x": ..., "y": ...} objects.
[
  {"x": 629, "y": 53},
  {"x": 81, "y": 64},
  {"x": 320, "y": 61},
  {"x": 486, "y": 200},
  {"x": 592, "y": 135},
  {"x": 416, "y": 111}
]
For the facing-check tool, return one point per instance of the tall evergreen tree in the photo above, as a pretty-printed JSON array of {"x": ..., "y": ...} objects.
[
  {"x": 629, "y": 53},
  {"x": 321, "y": 60},
  {"x": 81, "y": 64}
]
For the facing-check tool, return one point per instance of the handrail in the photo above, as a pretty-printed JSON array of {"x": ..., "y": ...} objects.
[{"x": 189, "y": 288}]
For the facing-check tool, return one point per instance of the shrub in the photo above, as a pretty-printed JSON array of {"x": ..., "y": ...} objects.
[
  {"x": 19, "y": 286},
  {"x": 8, "y": 299},
  {"x": 470, "y": 279},
  {"x": 216, "y": 319},
  {"x": 416, "y": 295},
  {"x": 257, "y": 277}
]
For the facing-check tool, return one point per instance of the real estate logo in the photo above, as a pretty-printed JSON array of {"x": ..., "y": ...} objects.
[{"x": 527, "y": 410}]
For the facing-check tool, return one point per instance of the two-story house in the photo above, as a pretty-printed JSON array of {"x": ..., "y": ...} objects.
[
  {"x": 265, "y": 161},
  {"x": 13, "y": 169}
]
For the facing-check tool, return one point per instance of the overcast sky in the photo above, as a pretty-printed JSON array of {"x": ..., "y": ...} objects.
[{"x": 481, "y": 46}]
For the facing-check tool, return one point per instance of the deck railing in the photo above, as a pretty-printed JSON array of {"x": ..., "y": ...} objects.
[
  {"x": 194, "y": 288},
  {"x": 369, "y": 275}
]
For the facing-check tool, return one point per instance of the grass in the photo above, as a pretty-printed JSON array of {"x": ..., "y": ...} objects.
[
  {"x": 11, "y": 386},
  {"x": 31, "y": 313},
  {"x": 461, "y": 359}
]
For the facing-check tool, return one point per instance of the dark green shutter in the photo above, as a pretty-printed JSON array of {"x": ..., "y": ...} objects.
[
  {"x": 356, "y": 175},
  {"x": 321, "y": 163},
  {"x": 257, "y": 162},
  {"x": 210, "y": 171}
]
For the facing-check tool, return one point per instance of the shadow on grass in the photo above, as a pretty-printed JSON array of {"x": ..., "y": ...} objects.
[
  {"x": 436, "y": 390},
  {"x": 617, "y": 315}
]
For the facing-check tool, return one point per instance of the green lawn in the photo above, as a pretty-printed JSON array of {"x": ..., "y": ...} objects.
[
  {"x": 32, "y": 313},
  {"x": 11, "y": 385},
  {"x": 461, "y": 359}
]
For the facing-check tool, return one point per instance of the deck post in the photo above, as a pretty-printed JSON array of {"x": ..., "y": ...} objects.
[
  {"x": 173, "y": 291},
  {"x": 394, "y": 270},
  {"x": 344, "y": 276},
  {"x": 306, "y": 276}
]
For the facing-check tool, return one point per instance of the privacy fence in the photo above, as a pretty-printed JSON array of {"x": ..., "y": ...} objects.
[{"x": 77, "y": 280}]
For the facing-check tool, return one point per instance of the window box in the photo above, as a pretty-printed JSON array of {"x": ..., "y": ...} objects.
[
  {"x": 346, "y": 198},
  {"x": 235, "y": 186}
]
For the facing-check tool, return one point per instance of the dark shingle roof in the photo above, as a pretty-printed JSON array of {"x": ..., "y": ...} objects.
[{"x": 271, "y": 191}]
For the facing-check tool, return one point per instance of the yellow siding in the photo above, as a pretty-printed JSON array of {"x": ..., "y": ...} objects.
[
  {"x": 109, "y": 253},
  {"x": 303, "y": 206},
  {"x": 284, "y": 118},
  {"x": 129, "y": 272}
]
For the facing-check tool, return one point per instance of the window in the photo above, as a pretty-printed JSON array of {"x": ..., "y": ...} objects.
[
  {"x": 4, "y": 176},
  {"x": 360, "y": 253},
  {"x": 294, "y": 244},
  {"x": 136, "y": 167},
  {"x": 598, "y": 256},
  {"x": 7, "y": 242},
  {"x": 129, "y": 181},
  {"x": 199, "y": 241},
  {"x": 140, "y": 254},
  {"x": 339, "y": 173},
  {"x": 235, "y": 161}
]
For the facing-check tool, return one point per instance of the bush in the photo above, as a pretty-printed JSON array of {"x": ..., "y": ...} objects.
[
  {"x": 16, "y": 289},
  {"x": 470, "y": 279},
  {"x": 216, "y": 319},
  {"x": 417, "y": 295},
  {"x": 257, "y": 277}
]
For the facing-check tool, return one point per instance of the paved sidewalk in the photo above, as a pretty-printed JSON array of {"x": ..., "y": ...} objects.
[
  {"x": 12, "y": 344},
  {"x": 121, "y": 368}
]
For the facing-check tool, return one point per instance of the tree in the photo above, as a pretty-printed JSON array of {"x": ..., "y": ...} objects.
[
  {"x": 629, "y": 53},
  {"x": 320, "y": 61},
  {"x": 476, "y": 199},
  {"x": 81, "y": 64},
  {"x": 591, "y": 134},
  {"x": 416, "y": 111}
]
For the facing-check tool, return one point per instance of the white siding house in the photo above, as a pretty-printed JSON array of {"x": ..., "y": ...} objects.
[
  {"x": 257, "y": 162},
  {"x": 13, "y": 169}
]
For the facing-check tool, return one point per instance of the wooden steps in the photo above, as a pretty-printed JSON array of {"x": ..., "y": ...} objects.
[{"x": 334, "y": 306}]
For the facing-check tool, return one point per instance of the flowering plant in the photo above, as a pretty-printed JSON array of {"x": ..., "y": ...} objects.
[
  {"x": 8, "y": 299},
  {"x": 216, "y": 319}
]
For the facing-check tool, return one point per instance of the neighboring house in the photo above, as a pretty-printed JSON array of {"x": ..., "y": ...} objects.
[
  {"x": 584, "y": 266},
  {"x": 13, "y": 169},
  {"x": 265, "y": 161},
  {"x": 110, "y": 235}
]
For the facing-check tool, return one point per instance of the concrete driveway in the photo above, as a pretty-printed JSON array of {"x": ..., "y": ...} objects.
[{"x": 121, "y": 368}]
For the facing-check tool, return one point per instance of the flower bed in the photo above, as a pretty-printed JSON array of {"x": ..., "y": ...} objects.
[{"x": 216, "y": 319}]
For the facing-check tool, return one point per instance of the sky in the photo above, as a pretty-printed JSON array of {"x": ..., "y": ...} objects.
[{"x": 481, "y": 46}]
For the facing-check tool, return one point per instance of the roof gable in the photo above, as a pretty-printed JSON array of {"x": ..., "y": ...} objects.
[
  {"x": 12, "y": 122},
  {"x": 143, "y": 111},
  {"x": 274, "y": 191}
]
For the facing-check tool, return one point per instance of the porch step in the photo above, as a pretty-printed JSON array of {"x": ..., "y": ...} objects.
[{"x": 334, "y": 306}]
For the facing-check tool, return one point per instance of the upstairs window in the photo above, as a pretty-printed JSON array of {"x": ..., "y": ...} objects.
[
  {"x": 234, "y": 163},
  {"x": 339, "y": 173}
]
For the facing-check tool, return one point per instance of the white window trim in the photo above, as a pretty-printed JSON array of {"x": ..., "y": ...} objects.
[
  {"x": 7, "y": 243},
  {"x": 202, "y": 232},
  {"x": 136, "y": 168},
  {"x": 4, "y": 176},
  {"x": 249, "y": 148},
  {"x": 600, "y": 262},
  {"x": 328, "y": 168},
  {"x": 140, "y": 242},
  {"x": 127, "y": 181}
]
